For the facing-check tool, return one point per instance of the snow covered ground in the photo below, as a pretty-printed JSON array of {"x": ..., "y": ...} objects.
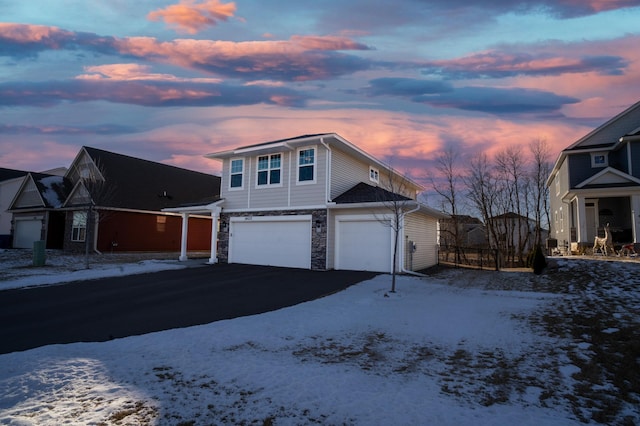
[{"x": 456, "y": 348}]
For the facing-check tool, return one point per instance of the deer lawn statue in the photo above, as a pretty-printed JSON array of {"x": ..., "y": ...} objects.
[{"x": 604, "y": 243}]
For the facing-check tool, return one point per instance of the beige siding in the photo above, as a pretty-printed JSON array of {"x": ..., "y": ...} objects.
[
  {"x": 310, "y": 194},
  {"x": 289, "y": 194},
  {"x": 422, "y": 230},
  {"x": 346, "y": 172}
]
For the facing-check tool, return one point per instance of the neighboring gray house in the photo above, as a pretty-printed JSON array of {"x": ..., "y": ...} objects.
[
  {"x": 596, "y": 181},
  {"x": 317, "y": 202}
]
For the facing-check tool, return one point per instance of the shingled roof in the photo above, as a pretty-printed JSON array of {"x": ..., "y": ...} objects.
[
  {"x": 365, "y": 193},
  {"x": 146, "y": 185},
  {"x": 53, "y": 189},
  {"x": 6, "y": 174}
]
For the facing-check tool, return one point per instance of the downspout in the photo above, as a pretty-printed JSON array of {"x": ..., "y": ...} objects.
[
  {"x": 402, "y": 268},
  {"x": 328, "y": 171},
  {"x": 327, "y": 190}
]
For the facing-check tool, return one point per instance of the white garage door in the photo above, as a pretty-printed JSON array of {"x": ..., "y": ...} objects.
[
  {"x": 363, "y": 245},
  {"x": 271, "y": 241},
  {"x": 26, "y": 232}
]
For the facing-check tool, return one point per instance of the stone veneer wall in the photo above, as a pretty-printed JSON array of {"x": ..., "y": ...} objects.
[{"x": 318, "y": 239}]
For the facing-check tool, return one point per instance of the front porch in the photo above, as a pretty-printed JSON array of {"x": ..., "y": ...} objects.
[{"x": 590, "y": 215}]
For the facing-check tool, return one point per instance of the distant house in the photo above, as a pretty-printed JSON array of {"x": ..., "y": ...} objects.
[
  {"x": 471, "y": 232},
  {"x": 596, "y": 181},
  {"x": 318, "y": 202},
  {"x": 116, "y": 201},
  {"x": 10, "y": 181},
  {"x": 514, "y": 232},
  {"x": 39, "y": 217}
]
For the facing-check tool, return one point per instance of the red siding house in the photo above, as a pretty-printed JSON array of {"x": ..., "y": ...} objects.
[{"x": 111, "y": 202}]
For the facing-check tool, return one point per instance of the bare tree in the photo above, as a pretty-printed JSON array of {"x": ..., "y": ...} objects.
[
  {"x": 541, "y": 168},
  {"x": 481, "y": 187},
  {"x": 512, "y": 171},
  {"x": 446, "y": 185},
  {"x": 95, "y": 192},
  {"x": 397, "y": 200}
]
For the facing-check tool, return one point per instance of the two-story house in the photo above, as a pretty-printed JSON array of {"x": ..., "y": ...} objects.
[
  {"x": 318, "y": 202},
  {"x": 595, "y": 182}
]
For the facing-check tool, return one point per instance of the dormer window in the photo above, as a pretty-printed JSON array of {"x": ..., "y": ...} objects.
[
  {"x": 374, "y": 175},
  {"x": 269, "y": 169},
  {"x": 599, "y": 159}
]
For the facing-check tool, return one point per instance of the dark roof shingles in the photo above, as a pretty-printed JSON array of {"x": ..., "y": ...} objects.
[
  {"x": 364, "y": 193},
  {"x": 146, "y": 185}
]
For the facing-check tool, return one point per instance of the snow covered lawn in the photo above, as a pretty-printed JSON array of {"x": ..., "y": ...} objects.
[{"x": 457, "y": 348}]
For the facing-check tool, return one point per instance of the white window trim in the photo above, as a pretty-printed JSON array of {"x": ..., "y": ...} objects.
[
  {"x": 314, "y": 164},
  {"x": 73, "y": 227},
  {"x": 268, "y": 170},
  {"x": 598, "y": 154},
  {"x": 375, "y": 171},
  {"x": 241, "y": 187}
]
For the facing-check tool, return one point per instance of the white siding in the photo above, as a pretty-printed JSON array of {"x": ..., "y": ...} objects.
[{"x": 422, "y": 230}]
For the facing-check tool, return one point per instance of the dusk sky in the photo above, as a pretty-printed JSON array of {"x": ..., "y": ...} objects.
[{"x": 173, "y": 80}]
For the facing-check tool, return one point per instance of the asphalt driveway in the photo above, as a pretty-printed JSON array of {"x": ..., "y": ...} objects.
[{"x": 108, "y": 308}]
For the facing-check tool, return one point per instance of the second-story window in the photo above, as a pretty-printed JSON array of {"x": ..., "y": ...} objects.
[
  {"x": 374, "y": 175},
  {"x": 236, "y": 172},
  {"x": 306, "y": 165},
  {"x": 269, "y": 168},
  {"x": 599, "y": 159}
]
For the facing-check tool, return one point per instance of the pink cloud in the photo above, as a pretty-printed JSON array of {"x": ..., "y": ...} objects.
[
  {"x": 132, "y": 72},
  {"x": 191, "y": 17}
]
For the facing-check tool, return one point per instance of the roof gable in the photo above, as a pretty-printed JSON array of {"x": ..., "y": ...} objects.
[
  {"x": 609, "y": 177},
  {"x": 41, "y": 191}
]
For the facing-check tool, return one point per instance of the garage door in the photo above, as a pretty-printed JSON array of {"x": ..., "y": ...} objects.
[
  {"x": 363, "y": 245},
  {"x": 26, "y": 232},
  {"x": 271, "y": 241}
]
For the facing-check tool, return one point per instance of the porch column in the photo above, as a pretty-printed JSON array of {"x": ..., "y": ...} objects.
[
  {"x": 183, "y": 238},
  {"x": 635, "y": 215},
  {"x": 215, "y": 216},
  {"x": 581, "y": 228}
]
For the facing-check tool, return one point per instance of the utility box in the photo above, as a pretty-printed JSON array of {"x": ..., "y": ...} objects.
[{"x": 39, "y": 256}]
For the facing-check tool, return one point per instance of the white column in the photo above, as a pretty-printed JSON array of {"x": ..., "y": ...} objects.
[
  {"x": 635, "y": 216},
  {"x": 215, "y": 216},
  {"x": 581, "y": 217},
  {"x": 183, "y": 239}
]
